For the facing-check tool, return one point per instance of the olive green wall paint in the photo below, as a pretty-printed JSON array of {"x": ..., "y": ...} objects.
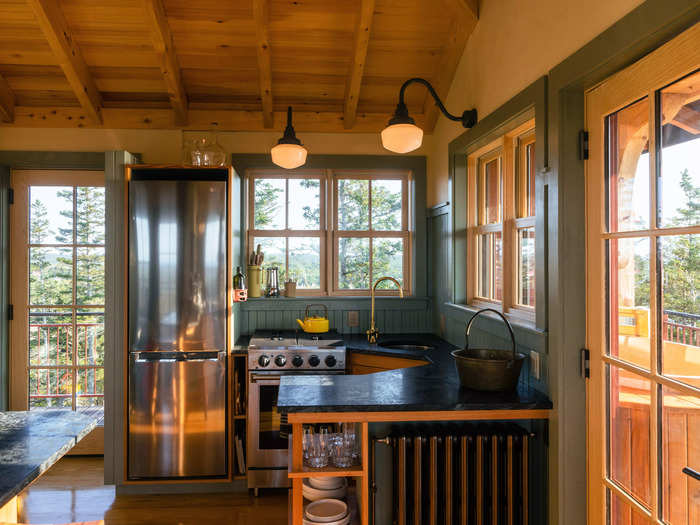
[
  {"x": 53, "y": 160},
  {"x": 393, "y": 315}
]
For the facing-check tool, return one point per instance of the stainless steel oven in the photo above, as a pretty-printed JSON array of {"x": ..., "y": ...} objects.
[{"x": 267, "y": 431}]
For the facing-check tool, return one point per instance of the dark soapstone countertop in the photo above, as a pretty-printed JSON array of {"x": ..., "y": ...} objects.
[
  {"x": 432, "y": 387},
  {"x": 30, "y": 442}
]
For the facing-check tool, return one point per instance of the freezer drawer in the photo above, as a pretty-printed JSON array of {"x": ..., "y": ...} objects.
[{"x": 177, "y": 415}]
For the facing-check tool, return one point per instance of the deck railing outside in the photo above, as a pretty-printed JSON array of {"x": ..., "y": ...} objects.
[{"x": 681, "y": 327}]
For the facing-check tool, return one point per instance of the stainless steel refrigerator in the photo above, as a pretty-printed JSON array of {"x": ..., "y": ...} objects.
[{"x": 177, "y": 398}]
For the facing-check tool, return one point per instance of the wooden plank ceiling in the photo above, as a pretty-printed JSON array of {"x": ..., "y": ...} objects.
[{"x": 237, "y": 65}]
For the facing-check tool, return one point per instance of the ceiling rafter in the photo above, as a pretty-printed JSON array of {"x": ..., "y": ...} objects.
[
  {"x": 262, "y": 45},
  {"x": 53, "y": 24},
  {"x": 7, "y": 101},
  {"x": 359, "y": 57},
  {"x": 167, "y": 59},
  {"x": 462, "y": 25}
]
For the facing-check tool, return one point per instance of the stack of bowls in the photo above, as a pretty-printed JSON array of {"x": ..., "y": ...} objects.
[
  {"x": 329, "y": 511},
  {"x": 315, "y": 489}
]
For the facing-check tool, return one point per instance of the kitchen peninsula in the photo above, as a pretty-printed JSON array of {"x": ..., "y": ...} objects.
[{"x": 429, "y": 392}]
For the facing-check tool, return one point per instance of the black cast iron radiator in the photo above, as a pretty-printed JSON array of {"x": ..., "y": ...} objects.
[{"x": 474, "y": 476}]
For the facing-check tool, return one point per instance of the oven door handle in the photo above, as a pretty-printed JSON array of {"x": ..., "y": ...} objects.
[{"x": 269, "y": 379}]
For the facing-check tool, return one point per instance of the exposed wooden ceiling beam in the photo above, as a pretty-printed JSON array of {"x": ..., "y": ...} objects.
[
  {"x": 215, "y": 119},
  {"x": 53, "y": 24},
  {"x": 687, "y": 119},
  {"x": 7, "y": 101},
  {"x": 359, "y": 56},
  {"x": 262, "y": 44},
  {"x": 169, "y": 66},
  {"x": 460, "y": 29}
]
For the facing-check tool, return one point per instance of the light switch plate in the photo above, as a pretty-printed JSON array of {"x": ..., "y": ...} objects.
[
  {"x": 353, "y": 318},
  {"x": 535, "y": 364}
]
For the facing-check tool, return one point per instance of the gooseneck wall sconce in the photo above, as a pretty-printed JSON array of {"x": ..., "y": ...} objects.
[
  {"x": 402, "y": 135},
  {"x": 289, "y": 153}
]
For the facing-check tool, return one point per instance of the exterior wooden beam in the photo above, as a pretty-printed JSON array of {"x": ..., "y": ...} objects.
[
  {"x": 214, "y": 119},
  {"x": 359, "y": 57},
  {"x": 167, "y": 59},
  {"x": 262, "y": 45},
  {"x": 7, "y": 101},
  {"x": 461, "y": 27},
  {"x": 53, "y": 24}
]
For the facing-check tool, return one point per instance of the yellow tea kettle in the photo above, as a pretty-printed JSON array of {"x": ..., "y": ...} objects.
[{"x": 314, "y": 324}]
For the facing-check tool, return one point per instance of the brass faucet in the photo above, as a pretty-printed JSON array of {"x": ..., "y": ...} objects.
[{"x": 373, "y": 333}]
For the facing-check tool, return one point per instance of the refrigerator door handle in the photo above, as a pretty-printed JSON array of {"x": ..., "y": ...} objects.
[{"x": 172, "y": 357}]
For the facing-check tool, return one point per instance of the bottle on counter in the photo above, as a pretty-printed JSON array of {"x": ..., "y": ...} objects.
[{"x": 240, "y": 292}]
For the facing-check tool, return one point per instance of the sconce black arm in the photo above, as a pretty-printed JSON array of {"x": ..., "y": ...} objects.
[{"x": 468, "y": 118}]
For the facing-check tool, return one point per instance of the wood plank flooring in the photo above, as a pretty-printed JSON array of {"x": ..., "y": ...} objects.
[{"x": 73, "y": 490}]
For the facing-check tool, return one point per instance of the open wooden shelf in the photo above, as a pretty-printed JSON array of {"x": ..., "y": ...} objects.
[{"x": 327, "y": 472}]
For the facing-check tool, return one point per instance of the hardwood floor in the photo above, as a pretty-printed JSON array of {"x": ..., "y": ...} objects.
[{"x": 72, "y": 490}]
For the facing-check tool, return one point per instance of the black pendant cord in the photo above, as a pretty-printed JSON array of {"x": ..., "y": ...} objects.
[
  {"x": 289, "y": 136},
  {"x": 468, "y": 118}
]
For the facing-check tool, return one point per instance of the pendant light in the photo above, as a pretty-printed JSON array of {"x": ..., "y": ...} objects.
[
  {"x": 402, "y": 135},
  {"x": 289, "y": 153}
]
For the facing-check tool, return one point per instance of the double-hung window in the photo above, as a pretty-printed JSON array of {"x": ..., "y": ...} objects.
[
  {"x": 333, "y": 231},
  {"x": 501, "y": 223}
]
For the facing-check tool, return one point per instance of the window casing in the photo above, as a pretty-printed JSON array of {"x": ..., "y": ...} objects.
[
  {"x": 363, "y": 229},
  {"x": 501, "y": 223}
]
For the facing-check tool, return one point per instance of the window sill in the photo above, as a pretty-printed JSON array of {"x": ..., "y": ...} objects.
[{"x": 526, "y": 333}]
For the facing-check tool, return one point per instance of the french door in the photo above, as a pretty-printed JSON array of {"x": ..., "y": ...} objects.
[
  {"x": 57, "y": 290},
  {"x": 643, "y": 289}
]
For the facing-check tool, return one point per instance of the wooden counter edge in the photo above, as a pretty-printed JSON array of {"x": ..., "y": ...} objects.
[{"x": 443, "y": 415}]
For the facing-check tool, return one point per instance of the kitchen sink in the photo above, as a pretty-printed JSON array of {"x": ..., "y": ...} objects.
[{"x": 414, "y": 346}]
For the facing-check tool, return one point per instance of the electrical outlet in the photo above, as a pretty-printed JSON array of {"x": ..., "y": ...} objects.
[
  {"x": 353, "y": 319},
  {"x": 535, "y": 365}
]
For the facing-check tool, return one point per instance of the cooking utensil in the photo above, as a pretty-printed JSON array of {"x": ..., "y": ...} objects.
[
  {"x": 315, "y": 324},
  {"x": 272, "y": 280},
  {"x": 489, "y": 369}
]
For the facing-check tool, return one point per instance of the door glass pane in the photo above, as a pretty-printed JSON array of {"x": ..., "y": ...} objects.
[
  {"x": 50, "y": 337},
  {"x": 269, "y": 204},
  {"x": 387, "y": 196},
  {"x": 50, "y": 276},
  {"x": 628, "y": 296},
  {"x": 353, "y": 263},
  {"x": 526, "y": 267},
  {"x": 90, "y": 215},
  {"x": 89, "y": 281},
  {"x": 621, "y": 512},
  {"x": 627, "y": 181},
  {"x": 90, "y": 337},
  {"x": 679, "y": 259},
  {"x": 628, "y": 432},
  {"x": 353, "y": 204},
  {"x": 680, "y": 448},
  {"x": 50, "y": 388},
  {"x": 305, "y": 261},
  {"x": 89, "y": 388},
  {"x": 304, "y": 204},
  {"x": 679, "y": 181},
  {"x": 387, "y": 259},
  {"x": 51, "y": 215}
]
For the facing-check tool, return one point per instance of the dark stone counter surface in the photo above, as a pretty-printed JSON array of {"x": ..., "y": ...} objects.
[
  {"x": 433, "y": 387},
  {"x": 30, "y": 442}
]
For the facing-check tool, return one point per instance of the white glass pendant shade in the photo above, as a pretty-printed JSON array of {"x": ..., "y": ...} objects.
[
  {"x": 288, "y": 156},
  {"x": 402, "y": 138}
]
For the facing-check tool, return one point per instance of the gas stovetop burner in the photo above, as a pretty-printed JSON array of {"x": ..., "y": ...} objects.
[{"x": 288, "y": 351}]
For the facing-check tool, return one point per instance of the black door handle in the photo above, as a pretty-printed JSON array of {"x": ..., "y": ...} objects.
[{"x": 692, "y": 473}]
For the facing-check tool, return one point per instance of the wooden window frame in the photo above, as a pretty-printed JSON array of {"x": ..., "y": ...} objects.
[
  {"x": 19, "y": 288},
  {"x": 510, "y": 148},
  {"x": 404, "y": 233},
  {"x": 329, "y": 233}
]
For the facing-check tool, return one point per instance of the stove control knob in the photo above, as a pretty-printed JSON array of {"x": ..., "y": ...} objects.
[
  {"x": 331, "y": 361},
  {"x": 280, "y": 360},
  {"x": 297, "y": 361},
  {"x": 314, "y": 360},
  {"x": 264, "y": 360}
]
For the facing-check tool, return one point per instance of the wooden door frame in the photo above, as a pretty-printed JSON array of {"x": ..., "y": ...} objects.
[
  {"x": 678, "y": 58},
  {"x": 19, "y": 286}
]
